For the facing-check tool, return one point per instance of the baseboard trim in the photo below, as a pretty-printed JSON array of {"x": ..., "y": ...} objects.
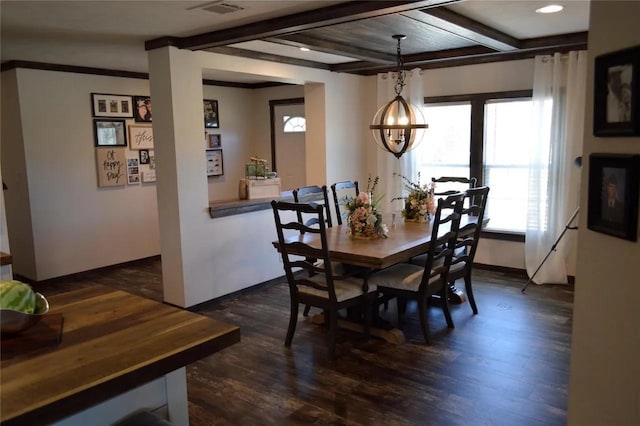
[
  {"x": 513, "y": 271},
  {"x": 212, "y": 302},
  {"x": 77, "y": 275}
]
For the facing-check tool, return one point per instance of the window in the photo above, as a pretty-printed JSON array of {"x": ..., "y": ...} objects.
[
  {"x": 486, "y": 136},
  {"x": 507, "y": 138},
  {"x": 446, "y": 144},
  {"x": 294, "y": 124}
]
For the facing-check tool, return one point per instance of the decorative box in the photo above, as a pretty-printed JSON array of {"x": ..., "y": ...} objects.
[{"x": 263, "y": 188}]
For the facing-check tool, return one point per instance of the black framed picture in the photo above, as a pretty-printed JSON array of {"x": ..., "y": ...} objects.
[
  {"x": 109, "y": 132},
  {"x": 115, "y": 106},
  {"x": 211, "y": 117},
  {"x": 616, "y": 110},
  {"x": 142, "y": 109},
  {"x": 613, "y": 194},
  {"x": 144, "y": 156}
]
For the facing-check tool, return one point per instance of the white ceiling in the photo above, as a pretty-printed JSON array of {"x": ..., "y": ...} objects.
[{"x": 111, "y": 34}]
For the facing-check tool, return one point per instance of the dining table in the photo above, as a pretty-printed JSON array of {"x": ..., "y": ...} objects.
[{"x": 404, "y": 240}]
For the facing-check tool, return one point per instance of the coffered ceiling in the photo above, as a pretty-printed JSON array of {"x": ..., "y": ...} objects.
[{"x": 353, "y": 36}]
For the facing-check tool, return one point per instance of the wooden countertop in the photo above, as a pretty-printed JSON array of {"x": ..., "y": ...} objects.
[
  {"x": 112, "y": 341},
  {"x": 232, "y": 207},
  {"x": 5, "y": 258}
]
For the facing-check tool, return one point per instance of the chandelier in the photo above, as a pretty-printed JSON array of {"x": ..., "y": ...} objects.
[{"x": 398, "y": 126}]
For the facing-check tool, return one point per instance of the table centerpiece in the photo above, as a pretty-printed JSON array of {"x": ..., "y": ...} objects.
[
  {"x": 364, "y": 217},
  {"x": 420, "y": 203}
]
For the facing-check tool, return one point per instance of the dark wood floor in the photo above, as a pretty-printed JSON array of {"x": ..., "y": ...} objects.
[{"x": 509, "y": 365}]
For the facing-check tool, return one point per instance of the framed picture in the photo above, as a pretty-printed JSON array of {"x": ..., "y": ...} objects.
[
  {"x": 144, "y": 156},
  {"x": 142, "y": 109},
  {"x": 211, "y": 117},
  {"x": 213, "y": 141},
  {"x": 111, "y": 165},
  {"x": 140, "y": 137},
  {"x": 617, "y": 93},
  {"x": 214, "y": 163},
  {"x": 117, "y": 106},
  {"x": 109, "y": 132},
  {"x": 613, "y": 194}
]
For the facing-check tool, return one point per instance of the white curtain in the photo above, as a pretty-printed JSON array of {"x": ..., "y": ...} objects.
[
  {"x": 387, "y": 163},
  {"x": 558, "y": 112}
]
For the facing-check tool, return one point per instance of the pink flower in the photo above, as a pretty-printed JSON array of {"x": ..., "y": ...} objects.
[{"x": 363, "y": 198}]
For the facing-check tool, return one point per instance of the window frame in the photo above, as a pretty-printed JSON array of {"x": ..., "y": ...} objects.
[{"x": 476, "y": 154}]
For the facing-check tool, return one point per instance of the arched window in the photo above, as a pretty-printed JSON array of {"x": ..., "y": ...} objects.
[{"x": 294, "y": 124}]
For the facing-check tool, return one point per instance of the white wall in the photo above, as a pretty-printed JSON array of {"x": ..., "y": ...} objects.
[
  {"x": 605, "y": 347},
  {"x": 74, "y": 225}
]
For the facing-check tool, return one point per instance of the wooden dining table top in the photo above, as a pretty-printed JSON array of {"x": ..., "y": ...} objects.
[
  {"x": 404, "y": 241},
  {"x": 111, "y": 341}
]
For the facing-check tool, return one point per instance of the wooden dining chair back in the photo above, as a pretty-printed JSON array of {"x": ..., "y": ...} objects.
[
  {"x": 342, "y": 191},
  {"x": 447, "y": 185},
  {"x": 315, "y": 283},
  {"x": 467, "y": 243},
  {"x": 313, "y": 194},
  {"x": 408, "y": 281}
]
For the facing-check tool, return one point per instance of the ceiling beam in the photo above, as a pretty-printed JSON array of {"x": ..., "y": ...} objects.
[
  {"x": 474, "y": 55},
  {"x": 252, "y": 54},
  {"x": 326, "y": 46},
  {"x": 461, "y": 26},
  {"x": 331, "y": 15}
]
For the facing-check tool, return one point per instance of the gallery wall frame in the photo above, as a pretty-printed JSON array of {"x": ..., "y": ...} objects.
[
  {"x": 140, "y": 137},
  {"x": 215, "y": 166},
  {"x": 111, "y": 166},
  {"x": 211, "y": 114},
  {"x": 616, "y": 110},
  {"x": 214, "y": 140},
  {"x": 614, "y": 183},
  {"x": 142, "y": 109},
  {"x": 108, "y": 132},
  {"x": 107, "y": 105}
]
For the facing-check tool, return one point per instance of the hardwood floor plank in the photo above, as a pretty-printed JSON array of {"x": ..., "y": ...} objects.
[{"x": 508, "y": 365}]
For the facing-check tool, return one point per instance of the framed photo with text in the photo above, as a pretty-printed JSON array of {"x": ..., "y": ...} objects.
[
  {"x": 616, "y": 110},
  {"x": 117, "y": 106},
  {"x": 613, "y": 194}
]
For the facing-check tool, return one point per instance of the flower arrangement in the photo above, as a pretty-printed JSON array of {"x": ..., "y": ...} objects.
[
  {"x": 420, "y": 203},
  {"x": 364, "y": 218}
]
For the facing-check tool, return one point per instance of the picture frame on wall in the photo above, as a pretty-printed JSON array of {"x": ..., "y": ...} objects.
[
  {"x": 214, "y": 141},
  {"x": 109, "y": 132},
  {"x": 140, "y": 137},
  {"x": 616, "y": 109},
  {"x": 116, "y": 106},
  {"x": 142, "y": 109},
  {"x": 215, "y": 166},
  {"x": 211, "y": 115},
  {"x": 144, "y": 156},
  {"x": 613, "y": 194}
]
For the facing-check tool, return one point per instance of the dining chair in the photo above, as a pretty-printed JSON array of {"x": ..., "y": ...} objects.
[
  {"x": 313, "y": 194},
  {"x": 467, "y": 242},
  {"x": 453, "y": 184},
  {"x": 340, "y": 191},
  {"x": 407, "y": 281},
  {"x": 316, "y": 283}
]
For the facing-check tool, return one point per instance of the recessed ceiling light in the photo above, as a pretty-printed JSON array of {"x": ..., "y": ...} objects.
[
  {"x": 304, "y": 49},
  {"x": 552, "y": 8}
]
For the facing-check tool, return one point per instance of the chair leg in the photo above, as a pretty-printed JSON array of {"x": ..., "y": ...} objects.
[
  {"x": 445, "y": 305},
  {"x": 401, "y": 303},
  {"x": 422, "y": 308},
  {"x": 293, "y": 320},
  {"x": 469, "y": 290},
  {"x": 333, "y": 327},
  {"x": 306, "y": 310}
]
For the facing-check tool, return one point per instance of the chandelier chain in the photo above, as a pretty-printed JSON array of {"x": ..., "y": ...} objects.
[{"x": 401, "y": 72}]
